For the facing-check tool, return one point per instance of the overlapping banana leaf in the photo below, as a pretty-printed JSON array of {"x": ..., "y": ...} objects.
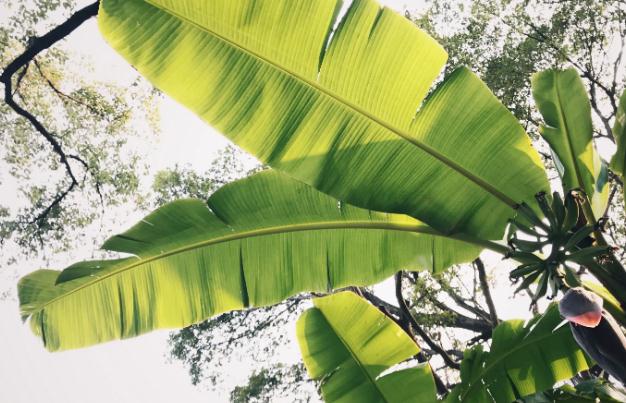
[
  {"x": 336, "y": 108},
  {"x": 562, "y": 100},
  {"x": 618, "y": 162},
  {"x": 525, "y": 358},
  {"x": 264, "y": 239},
  {"x": 590, "y": 391},
  {"x": 351, "y": 348}
]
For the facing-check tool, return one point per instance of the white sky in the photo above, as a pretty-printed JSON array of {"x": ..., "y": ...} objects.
[
  {"x": 131, "y": 371},
  {"x": 134, "y": 371}
]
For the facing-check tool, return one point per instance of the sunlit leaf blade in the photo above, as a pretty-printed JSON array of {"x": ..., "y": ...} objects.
[
  {"x": 618, "y": 162},
  {"x": 349, "y": 345},
  {"x": 341, "y": 117},
  {"x": 265, "y": 238},
  {"x": 562, "y": 99},
  {"x": 524, "y": 359}
]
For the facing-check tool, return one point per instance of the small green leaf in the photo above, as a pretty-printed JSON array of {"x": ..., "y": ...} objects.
[{"x": 350, "y": 346}]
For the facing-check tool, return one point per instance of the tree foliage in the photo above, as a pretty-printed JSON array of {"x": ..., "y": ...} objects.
[{"x": 96, "y": 125}]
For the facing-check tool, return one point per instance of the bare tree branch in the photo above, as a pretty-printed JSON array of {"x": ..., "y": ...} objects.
[
  {"x": 418, "y": 329},
  {"x": 484, "y": 285},
  {"x": 21, "y": 62},
  {"x": 42, "y": 43},
  {"x": 458, "y": 320}
]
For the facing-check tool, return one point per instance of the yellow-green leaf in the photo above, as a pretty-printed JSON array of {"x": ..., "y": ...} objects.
[
  {"x": 351, "y": 348},
  {"x": 255, "y": 242},
  {"x": 562, "y": 100},
  {"x": 336, "y": 108}
]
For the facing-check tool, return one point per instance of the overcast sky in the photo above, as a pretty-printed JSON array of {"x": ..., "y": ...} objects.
[{"x": 132, "y": 371}]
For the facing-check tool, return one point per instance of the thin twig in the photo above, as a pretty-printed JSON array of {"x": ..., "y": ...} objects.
[
  {"x": 418, "y": 329},
  {"x": 65, "y": 96}
]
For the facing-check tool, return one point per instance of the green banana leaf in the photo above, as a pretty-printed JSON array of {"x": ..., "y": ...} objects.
[
  {"x": 590, "y": 391},
  {"x": 265, "y": 238},
  {"x": 525, "y": 358},
  {"x": 352, "y": 348},
  {"x": 562, "y": 99},
  {"x": 336, "y": 108},
  {"x": 618, "y": 162}
]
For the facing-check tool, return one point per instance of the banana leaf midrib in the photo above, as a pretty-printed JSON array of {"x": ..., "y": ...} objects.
[
  {"x": 320, "y": 225},
  {"x": 354, "y": 357},
  {"x": 401, "y": 133},
  {"x": 503, "y": 356},
  {"x": 570, "y": 146}
]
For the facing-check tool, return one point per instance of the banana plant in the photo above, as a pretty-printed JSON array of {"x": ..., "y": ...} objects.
[
  {"x": 561, "y": 98},
  {"x": 525, "y": 358},
  {"x": 330, "y": 101},
  {"x": 255, "y": 242},
  {"x": 404, "y": 181},
  {"x": 347, "y": 343},
  {"x": 353, "y": 350}
]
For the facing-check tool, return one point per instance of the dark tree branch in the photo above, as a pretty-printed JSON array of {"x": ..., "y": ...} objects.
[
  {"x": 463, "y": 322},
  {"x": 57, "y": 200},
  {"x": 418, "y": 329},
  {"x": 20, "y": 78},
  {"x": 21, "y": 62},
  {"x": 458, "y": 320},
  {"x": 394, "y": 313},
  {"x": 594, "y": 105},
  {"x": 484, "y": 285},
  {"x": 463, "y": 304},
  {"x": 457, "y": 353},
  {"x": 42, "y": 43},
  {"x": 388, "y": 308}
]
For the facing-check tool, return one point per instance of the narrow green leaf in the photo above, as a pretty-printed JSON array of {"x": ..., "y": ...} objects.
[
  {"x": 339, "y": 113},
  {"x": 350, "y": 346},
  {"x": 562, "y": 100},
  {"x": 618, "y": 162},
  {"x": 264, "y": 238},
  {"x": 525, "y": 358},
  {"x": 589, "y": 391}
]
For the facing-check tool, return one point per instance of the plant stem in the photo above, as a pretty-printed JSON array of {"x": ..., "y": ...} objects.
[
  {"x": 610, "y": 273},
  {"x": 484, "y": 285}
]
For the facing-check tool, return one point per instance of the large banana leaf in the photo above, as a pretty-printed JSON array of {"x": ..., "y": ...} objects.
[
  {"x": 525, "y": 358},
  {"x": 337, "y": 108},
  {"x": 264, "y": 239},
  {"x": 350, "y": 346},
  {"x": 562, "y": 100},
  {"x": 618, "y": 162}
]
